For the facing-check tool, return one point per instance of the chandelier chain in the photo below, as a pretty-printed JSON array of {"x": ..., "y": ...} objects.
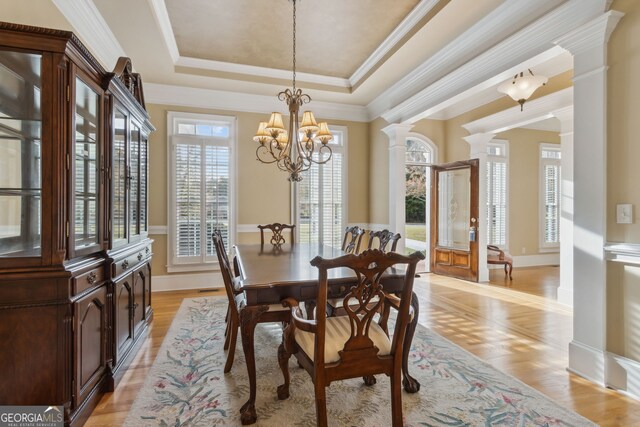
[{"x": 294, "y": 46}]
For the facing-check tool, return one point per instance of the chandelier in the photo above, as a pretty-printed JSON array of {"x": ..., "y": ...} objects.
[
  {"x": 522, "y": 86},
  {"x": 295, "y": 150}
]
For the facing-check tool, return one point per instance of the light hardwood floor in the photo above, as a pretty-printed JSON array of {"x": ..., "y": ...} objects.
[{"x": 513, "y": 325}]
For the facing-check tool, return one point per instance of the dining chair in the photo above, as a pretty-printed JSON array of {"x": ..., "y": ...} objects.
[
  {"x": 237, "y": 301},
  {"x": 277, "y": 239},
  {"x": 352, "y": 239},
  {"x": 353, "y": 345},
  {"x": 383, "y": 237}
]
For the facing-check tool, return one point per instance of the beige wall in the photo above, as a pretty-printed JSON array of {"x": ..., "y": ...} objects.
[
  {"x": 524, "y": 187},
  {"x": 623, "y": 175},
  {"x": 263, "y": 191}
]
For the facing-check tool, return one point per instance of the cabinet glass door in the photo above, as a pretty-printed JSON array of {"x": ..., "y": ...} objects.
[
  {"x": 20, "y": 154},
  {"x": 87, "y": 134},
  {"x": 134, "y": 181},
  {"x": 144, "y": 173},
  {"x": 119, "y": 180}
]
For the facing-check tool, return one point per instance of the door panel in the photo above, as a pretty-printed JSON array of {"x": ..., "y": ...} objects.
[
  {"x": 123, "y": 327},
  {"x": 454, "y": 219},
  {"x": 91, "y": 339}
]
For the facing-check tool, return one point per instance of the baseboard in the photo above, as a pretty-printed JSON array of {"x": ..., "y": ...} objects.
[
  {"x": 623, "y": 374},
  {"x": 536, "y": 260},
  {"x": 565, "y": 296},
  {"x": 177, "y": 282},
  {"x": 588, "y": 362}
]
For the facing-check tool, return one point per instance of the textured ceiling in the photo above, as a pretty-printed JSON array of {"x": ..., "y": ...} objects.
[{"x": 334, "y": 37}]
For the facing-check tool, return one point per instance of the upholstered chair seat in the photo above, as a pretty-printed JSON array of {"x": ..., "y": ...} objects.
[{"x": 338, "y": 332}]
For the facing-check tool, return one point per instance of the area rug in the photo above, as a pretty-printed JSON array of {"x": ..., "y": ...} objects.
[{"x": 187, "y": 387}]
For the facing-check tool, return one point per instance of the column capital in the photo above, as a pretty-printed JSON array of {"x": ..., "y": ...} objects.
[
  {"x": 478, "y": 141},
  {"x": 592, "y": 34},
  {"x": 565, "y": 115},
  {"x": 397, "y": 133}
]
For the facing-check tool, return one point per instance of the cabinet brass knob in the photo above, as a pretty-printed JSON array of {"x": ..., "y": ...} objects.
[
  {"x": 125, "y": 264},
  {"x": 140, "y": 256},
  {"x": 91, "y": 278}
]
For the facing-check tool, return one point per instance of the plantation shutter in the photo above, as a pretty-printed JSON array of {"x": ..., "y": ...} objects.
[
  {"x": 320, "y": 200},
  {"x": 497, "y": 203},
  {"x": 216, "y": 194},
  {"x": 551, "y": 201},
  {"x": 188, "y": 200},
  {"x": 202, "y": 193}
]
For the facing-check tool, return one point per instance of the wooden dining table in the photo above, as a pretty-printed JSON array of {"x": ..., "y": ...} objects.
[{"x": 269, "y": 274}]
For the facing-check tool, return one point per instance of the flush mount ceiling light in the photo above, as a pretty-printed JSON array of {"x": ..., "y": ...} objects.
[
  {"x": 522, "y": 86},
  {"x": 293, "y": 151}
]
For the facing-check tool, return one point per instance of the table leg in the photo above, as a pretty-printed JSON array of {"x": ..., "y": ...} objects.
[
  {"x": 411, "y": 385},
  {"x": 249, "y": 317}
]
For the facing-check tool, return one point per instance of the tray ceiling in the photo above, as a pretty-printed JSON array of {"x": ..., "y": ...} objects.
[{"x": 334, "y": 37}]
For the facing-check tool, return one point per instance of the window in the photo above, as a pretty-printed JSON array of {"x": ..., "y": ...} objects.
[
  {"x": 497, "y": 194},
  {"x": 550, "y": 179},
  {"x": 321, "y": 196},
  {"x": 201, "y": 181}
]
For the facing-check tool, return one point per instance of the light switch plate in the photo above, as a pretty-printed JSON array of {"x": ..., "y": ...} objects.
[{"x": 624, "y": 214}]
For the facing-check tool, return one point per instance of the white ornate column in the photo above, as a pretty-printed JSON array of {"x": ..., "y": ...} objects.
[
  {"x": 565, "y": 290},
  {"x": 588, "y": 44},
  {"x": 397, "y": 134},
  {"x": 478, "y": 150}
]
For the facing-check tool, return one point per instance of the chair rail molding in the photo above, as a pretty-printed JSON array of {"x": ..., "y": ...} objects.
[{"x": 627, "y": 253}]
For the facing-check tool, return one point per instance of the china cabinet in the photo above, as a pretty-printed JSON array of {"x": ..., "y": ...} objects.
[{"x": 75, "y": 257}]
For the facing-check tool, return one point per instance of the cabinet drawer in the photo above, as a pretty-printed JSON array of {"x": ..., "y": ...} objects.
[
  {"x": 130, "y": 262},
  {"x": 87, "y": 280}
]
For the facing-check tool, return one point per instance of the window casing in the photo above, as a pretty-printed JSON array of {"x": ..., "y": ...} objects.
[
  {"x": 497, "y": 193},
  {"x": 550, "y": 181},
  {"x": 201, "y": 164},
  {"x": 321, "y": 197}
]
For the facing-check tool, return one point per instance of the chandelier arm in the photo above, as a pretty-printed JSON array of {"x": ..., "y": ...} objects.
[
  {"x": 263, "y": 149},
  {"x": 324, "y": 148}
]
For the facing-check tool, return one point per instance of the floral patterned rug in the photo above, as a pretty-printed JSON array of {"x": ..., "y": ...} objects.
[{"x": 187, "y": 387}]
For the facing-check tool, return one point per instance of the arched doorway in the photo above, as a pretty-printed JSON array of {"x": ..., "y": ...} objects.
[{"x": 420, "y": 155}]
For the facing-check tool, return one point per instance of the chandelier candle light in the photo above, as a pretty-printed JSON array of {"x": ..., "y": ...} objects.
[
  {"x": 295, "y": 150},
  {"x": 522, "y": 86}
]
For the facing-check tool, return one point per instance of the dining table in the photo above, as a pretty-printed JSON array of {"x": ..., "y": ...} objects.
[{"x": 269, "y": 274}]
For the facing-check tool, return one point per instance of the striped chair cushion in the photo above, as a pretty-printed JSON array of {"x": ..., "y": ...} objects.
[{"x": 338, "y": 331}]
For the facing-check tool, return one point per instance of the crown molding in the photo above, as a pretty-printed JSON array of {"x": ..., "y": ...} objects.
[
  {"x": 460, "y": 50},
  {"x": 532, "y": 40},
  {"x": 592, "y": 34},
  {"x": 159, "y": 10},
  {"x": 236, "y": 101},
  {"x": 405, "y": 26},
  {"x": 88, "y": 23},
  {"x": 228, "y": 67},
  {"x": 534, "y": 111}
]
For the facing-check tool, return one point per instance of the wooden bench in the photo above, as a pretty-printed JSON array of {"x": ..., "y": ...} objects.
[{"x": 495, "y": 255}]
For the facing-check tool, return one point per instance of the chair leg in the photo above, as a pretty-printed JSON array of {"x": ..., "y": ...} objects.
[
  {"x": 283, "y": 361},
  {"x": 369, "y": 380},
  {"x": 227, "y": 334},
  {"x": 396, "y": 399},
  {"x": 510, "y": 270},
  {"x": 321, "y": 405},
  {"x": 232, "y": 345}
]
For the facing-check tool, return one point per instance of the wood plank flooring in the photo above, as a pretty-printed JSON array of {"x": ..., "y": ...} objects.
[{"x": 515, "y": 326}]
